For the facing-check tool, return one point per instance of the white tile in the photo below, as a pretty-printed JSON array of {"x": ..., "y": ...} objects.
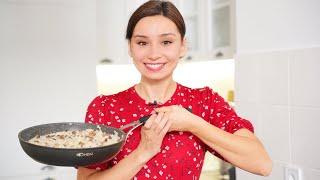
[
  {"x": 244, "y": 175},
  {"x": 304, "y": 77},
  {"x": 277, "y": 172},
  {"x": 250, "y": 111},
  {"x": 305, "y": 137},
  {"x": 273, "y": 77},
  {"x": 276, "y": 132},
  {"x": 246, "y": 78},
  {"x": 310, "y": 174}
]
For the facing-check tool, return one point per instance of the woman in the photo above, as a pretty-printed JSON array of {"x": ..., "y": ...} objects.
[{"x": 172, "y": 143}]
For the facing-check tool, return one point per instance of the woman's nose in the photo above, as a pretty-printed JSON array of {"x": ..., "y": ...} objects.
[{"x": 154, "y": 52}]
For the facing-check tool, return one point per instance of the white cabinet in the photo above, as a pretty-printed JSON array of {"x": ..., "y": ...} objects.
[
  {"x": 111, "y": 27},
  {"x": 222, "y": 42},
  {"x": 210, "y": 28}
]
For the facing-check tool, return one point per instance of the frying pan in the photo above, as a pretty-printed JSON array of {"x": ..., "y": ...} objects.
[{"x": 73, "y": 157}]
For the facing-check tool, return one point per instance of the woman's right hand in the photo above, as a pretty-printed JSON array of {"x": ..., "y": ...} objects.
[{"x": 152, "y": 134}]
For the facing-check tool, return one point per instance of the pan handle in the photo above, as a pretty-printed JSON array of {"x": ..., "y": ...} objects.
[
  {"x": 144, "y": 119},
  {"x": 141, "y": 121},
  {"x": 134, "y": 127}
]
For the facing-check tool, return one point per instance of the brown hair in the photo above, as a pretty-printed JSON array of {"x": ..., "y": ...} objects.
[{"x": 156, "y": 7}]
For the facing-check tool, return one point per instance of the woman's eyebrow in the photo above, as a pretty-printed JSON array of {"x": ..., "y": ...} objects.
[
  {"x": 168, "y": 34},
  {"x": 141, "y": 36},
  {"x": 144, "y": 36}
]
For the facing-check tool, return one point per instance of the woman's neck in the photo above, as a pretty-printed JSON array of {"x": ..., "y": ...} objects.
[{"x": 159, "y": 91}]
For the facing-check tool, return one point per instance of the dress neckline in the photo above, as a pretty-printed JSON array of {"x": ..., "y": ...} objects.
[{"x": 138, "y": 98}]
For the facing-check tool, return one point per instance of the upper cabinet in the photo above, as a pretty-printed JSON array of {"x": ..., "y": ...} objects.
[
  {"x": 210, "y": 28},
  {"x": 222, "y": 38}
]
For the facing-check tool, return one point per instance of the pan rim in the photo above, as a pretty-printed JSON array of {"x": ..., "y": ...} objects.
[{"x": 121, "y": 141}]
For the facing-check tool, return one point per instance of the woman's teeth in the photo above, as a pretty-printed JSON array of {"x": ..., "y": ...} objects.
[{"x": 154, "y": 66}]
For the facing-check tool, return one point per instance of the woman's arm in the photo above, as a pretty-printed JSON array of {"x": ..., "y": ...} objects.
[
  {"x": 125, "y": 169},
  {"x": 242, "y": 148},
  {"x": 152, "y": 134}
]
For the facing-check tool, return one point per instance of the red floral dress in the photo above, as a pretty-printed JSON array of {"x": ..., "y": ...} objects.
[{"x": 182, "y": 153}]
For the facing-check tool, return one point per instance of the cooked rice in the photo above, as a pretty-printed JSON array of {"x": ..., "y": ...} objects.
[{"x": 76, "y": 139}]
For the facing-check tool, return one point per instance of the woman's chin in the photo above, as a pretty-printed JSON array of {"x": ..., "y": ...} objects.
[{"x": 156, "y": 76}]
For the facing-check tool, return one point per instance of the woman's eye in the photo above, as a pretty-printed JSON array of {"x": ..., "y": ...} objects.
[
  {"x": 166, "y": 42},
  {"x": 141, "y": 43}
]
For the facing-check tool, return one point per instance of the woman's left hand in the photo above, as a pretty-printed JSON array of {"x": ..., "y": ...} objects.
[{"x": 179, "y": 117}]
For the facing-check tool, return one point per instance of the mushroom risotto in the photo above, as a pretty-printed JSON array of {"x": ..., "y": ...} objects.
[{"x": 73, "y": 139}]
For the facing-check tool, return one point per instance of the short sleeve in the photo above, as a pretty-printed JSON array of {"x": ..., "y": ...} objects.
[
  {"x": 220, "y": 114},
  {"x": 97, "y": 111},
  {"x": 96, "y": 114}
]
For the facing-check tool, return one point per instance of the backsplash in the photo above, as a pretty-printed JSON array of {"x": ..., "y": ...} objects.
[{"x": 279, "y": 92}]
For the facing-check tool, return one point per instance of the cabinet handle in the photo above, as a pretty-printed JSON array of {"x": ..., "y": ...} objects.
[
  {"x": 219, "y": 54},
  {"x": 47, "y": 168},
  {"x": 189, "y": 58},
  {"x": 49, "y": 178}
]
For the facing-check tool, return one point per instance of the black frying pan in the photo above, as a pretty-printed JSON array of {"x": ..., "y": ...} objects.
[{"x": 73, "y": 157}]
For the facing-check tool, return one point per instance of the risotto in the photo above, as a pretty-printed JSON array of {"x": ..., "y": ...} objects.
[{"x": 74, "y": 139}]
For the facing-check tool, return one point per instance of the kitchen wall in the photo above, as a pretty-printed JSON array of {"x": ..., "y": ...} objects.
[
  {"x": 47, "y": 73},
  {"x": 219, "y": 75},
  {"x": 277, "y": 72}
]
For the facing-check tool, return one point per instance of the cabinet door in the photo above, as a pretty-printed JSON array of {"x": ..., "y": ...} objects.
[
  {"x": 190, "y": 10},
  {"x": 111, "y": 27},
  {"x": 222, "y": 40},
  {"x": 210, "y": 29}
]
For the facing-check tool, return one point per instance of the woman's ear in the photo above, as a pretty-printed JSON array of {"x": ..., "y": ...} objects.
[
  {"x": 183, "y": 48},
  {"x": 129, "y": 49}
]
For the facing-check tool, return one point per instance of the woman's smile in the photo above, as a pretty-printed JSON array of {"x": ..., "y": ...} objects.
[{"x": 154, "y": 67}]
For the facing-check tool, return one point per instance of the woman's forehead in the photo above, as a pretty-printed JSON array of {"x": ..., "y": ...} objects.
[{"x": 155, "y": 26}]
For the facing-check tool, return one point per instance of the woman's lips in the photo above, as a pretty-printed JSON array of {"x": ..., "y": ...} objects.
[{"x": 154, "y": 66}]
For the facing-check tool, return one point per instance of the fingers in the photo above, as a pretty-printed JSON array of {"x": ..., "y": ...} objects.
[
  {"x": 150, "y": 121},
  {"x": 162, "y": 122},
  {"x": 168, "y": 109},
  {"x": 163, "y": 109},
  {"x": 166, "y": 128},
  {"x": 156, "y": 123}
]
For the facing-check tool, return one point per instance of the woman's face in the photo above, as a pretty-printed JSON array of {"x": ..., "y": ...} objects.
[{"x": 156, "y": 47}]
